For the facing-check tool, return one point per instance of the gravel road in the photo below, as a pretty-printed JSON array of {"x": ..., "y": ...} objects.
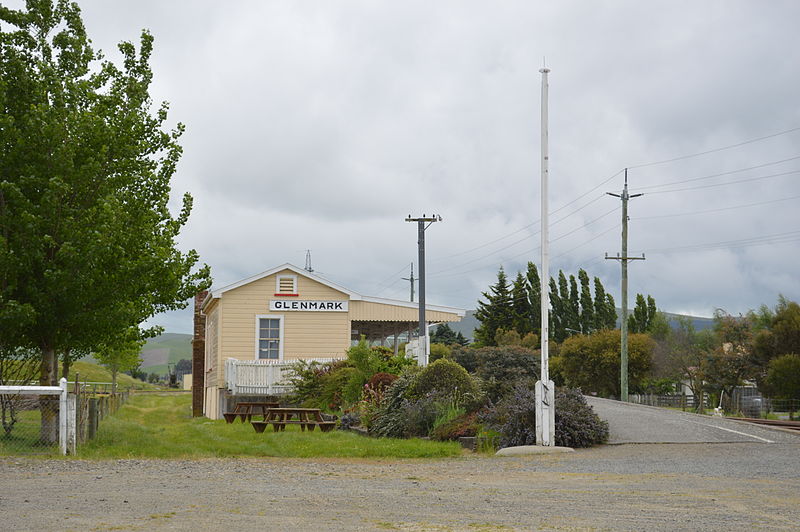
[
  {"x": 727, "y": 486},
  {"x": 630, "y": 423}
]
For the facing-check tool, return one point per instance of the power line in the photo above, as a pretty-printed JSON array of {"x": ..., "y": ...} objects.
[
  {"x": 521, "y": 230},
  {"x": 734, "y": 207},
  {"x": 723, "y": 148},
  {"x": 718, "y": 175},
  {"x": 440, "y": 272},
  {"x": 776, "y": 238},
  {"x": 390, "y": 278},
  {"x": 747, "y": 180}
]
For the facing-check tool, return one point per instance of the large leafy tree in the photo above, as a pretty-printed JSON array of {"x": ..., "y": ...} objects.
[
  {"x": 121, "y": 354},
  {"x": 87, "y": 242},
  {"x": 777, "y": 333},
  {"x": 591, "y": 362},
  {"x": 496, "y": 312}
]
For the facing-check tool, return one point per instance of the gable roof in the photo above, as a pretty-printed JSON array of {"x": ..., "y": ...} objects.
[{"x": 216, "y": 293}]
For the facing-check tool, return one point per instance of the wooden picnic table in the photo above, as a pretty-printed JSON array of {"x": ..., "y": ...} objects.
[
  {"x": 307, "y": 418},
  {"x": 245, "y": 410}
]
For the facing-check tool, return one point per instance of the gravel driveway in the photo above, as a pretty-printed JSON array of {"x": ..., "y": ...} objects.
[{"x": 728, "y": 486}]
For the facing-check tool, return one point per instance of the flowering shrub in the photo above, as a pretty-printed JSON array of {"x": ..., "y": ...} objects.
[{"x": 576, "y": 424}]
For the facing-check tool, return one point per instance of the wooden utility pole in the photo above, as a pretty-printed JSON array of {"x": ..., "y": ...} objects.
[
  {"x": 423, "y": 326},
  {"x": 624, "y": 258}
]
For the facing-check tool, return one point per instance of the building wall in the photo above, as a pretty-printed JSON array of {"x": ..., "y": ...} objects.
[
  {"x": 305, "y": 334},
  {"x": 213, "y": 361}
]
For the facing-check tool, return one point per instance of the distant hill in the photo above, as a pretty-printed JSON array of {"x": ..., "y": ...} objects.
[
  {"x": 469, "y": 323},
  {"x": 164, "y": 349}
]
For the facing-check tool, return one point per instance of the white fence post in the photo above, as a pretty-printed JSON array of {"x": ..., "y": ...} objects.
[{"x": 62, "y": 416}]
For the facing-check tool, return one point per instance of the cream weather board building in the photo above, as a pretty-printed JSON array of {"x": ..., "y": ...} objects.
[{"x": 287, "y": 314}]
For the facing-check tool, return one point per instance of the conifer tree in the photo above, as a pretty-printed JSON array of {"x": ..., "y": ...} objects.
[
  {"x": 496, "y": 312},
  {"x": 521, "y": 305}
]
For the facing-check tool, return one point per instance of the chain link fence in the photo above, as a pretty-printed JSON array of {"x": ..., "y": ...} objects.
[{"x": 29, "y": 424}]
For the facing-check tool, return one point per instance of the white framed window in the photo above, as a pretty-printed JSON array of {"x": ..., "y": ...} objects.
[
  {"x": 286, "y": 285},
  {"x": 269, "y": 337}
]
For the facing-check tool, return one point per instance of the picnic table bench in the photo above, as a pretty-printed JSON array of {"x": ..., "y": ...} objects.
[
  {"x": 247, "y": 409},
  {"x": 307, "y": 418}
]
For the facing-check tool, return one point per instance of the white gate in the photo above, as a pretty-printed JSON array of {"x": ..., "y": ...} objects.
[{"x": 66, "y": 410}]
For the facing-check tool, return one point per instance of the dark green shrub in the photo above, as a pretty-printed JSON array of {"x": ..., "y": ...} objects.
[
  {"x": 466, "y": 357},
  {"x": 332, "y": 384},
  {"x": 308, "y": 380},
  {"x": 445, "y": 378},
  {"x": 500, "y": 368}
]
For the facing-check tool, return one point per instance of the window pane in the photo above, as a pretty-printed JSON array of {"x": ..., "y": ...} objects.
[
  {"x": 273, "y": 333},
  {"x": 274, "y": 324}
]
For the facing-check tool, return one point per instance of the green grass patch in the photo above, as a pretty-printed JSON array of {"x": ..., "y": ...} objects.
[{"x": 161, "y": 426}]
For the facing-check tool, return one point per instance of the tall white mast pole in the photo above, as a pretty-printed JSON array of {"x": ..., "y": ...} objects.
[{"x": 545, "y": 418}]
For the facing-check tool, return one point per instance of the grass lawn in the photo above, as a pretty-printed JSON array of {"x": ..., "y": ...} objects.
[{"x": 161, "y": 426}]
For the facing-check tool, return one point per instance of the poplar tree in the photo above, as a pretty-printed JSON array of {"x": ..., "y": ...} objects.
[
  {"x": 534, "y": 298},
  {"x": 605, "y": 311},
  {"x": 556, "y": 319},
  {"x": 87, "y": 242},
  {"x": 574, "y": 314},
  {"x": 586, "y": 303},
  {"x": 643, "y": 316}
]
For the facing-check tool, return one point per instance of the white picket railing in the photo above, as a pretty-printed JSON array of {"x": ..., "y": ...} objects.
[{"x": 260, "y": 377}]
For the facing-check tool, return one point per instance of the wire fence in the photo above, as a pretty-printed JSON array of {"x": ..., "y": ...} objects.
[
  {"x": 29, "y": 424},
  {"x": 743, "y": 403}
]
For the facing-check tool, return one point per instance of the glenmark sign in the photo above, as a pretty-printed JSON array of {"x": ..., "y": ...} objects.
[{"x": 313, "y": 306}]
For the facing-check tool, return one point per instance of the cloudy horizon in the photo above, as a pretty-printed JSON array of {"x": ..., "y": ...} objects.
[{"x": 322, "y": 125}]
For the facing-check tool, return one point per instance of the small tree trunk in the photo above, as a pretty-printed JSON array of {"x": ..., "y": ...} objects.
[
  {"x": 66, "y": 362},
  {"x": 48, "y": 404}
]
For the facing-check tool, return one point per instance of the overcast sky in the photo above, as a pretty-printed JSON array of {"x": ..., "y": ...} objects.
[{"x": 322, "y": 125}]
